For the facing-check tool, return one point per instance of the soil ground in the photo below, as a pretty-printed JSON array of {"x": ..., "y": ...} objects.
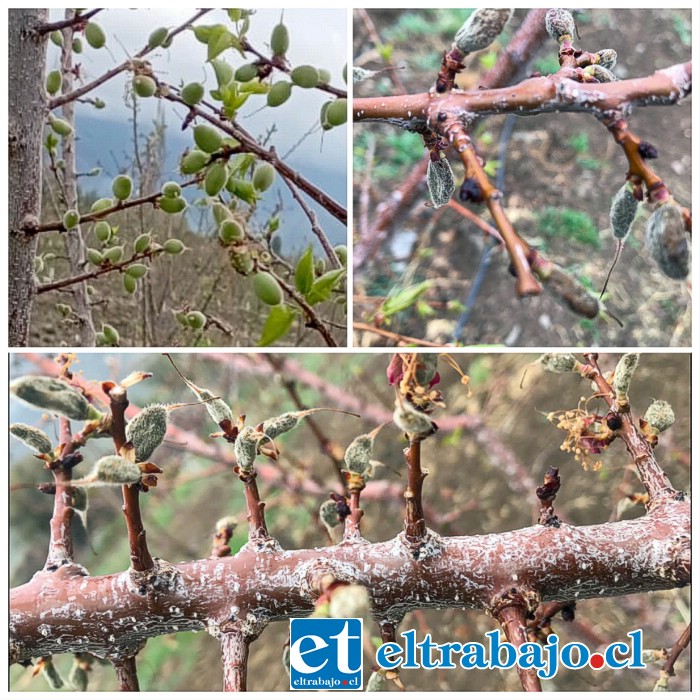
[{"x": 561, "y": 171}]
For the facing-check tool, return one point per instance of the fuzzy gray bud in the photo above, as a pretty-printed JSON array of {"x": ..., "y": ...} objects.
[
  {"x": 622, "y": 211},
  {"x": 359, "y": 454},
  {"x": 601, "y": 74},
  {"x": 246, "y": 448},
  {"x": 146, "y": 430},
  {"x": 667, "y": 240},
  {"x": 54, "y": 396},
  {"x": 328, "y": 515},
  {"x": 558, "y": 362},
  {"x": 412, "y": 421},
  {"x": 113, "y": 470},
  {"x": 660, "y": 416},
  {"x": 32, "y": 437},
  {"x": 624, "y": 371},
  {"x": 481, "y": 29},
  {"x": 560, "y": 24},
  {"x": 217, "y": 408},
  {"x": 273, "y": 427},
  {"x": 607, "y": 58},
  {"x": 441, "y": 181}
]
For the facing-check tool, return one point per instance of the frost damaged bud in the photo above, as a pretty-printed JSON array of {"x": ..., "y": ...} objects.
[
  {"x": 441, "y": 181},
  {"x": 349, "y": 601},
  {"x": 54, "y": 396},
  {"x": 32, "y": 437},
  {"x": 607, "y": 58},
  {"x": 601, "y": 74},
  {"x": 328, "y": 515},
  {"x": 624, "y": 372},
  {"x": 359, "y": 454},
  {"x": 667, "y": 241},
  {"x": 559, "y": 363},
  {"x": 246, "y": 448},
  {"x": 659, "y": 416},
  {"x": 560, "y": 24},
  {"x": 481, "y": 29},
  {"x": 622, "y": 211},
  {"x": 112, "y": 471},
  {"x": 146, "y": 430},
  {"x": 569, "y": 292}
]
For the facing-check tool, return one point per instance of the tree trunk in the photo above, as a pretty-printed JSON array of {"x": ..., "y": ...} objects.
[{"x": 27, "y": 109}]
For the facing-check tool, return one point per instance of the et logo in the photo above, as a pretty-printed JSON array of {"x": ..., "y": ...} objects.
[{"x": 325, "y": 653}]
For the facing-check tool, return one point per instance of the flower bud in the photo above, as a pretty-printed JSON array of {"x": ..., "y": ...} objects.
[
  {"x": 32, "y": 437},
  {"x": 146, "y": 430},
  {"x": 624, "y": 372},
  {"x": 54, "y": 396},
  {"x": 560, "y": 24},
  {"x": 112, "y": 470},
  {"x": 441, "y": 181},
  {"x": 660, "y": 416},
  {"x": 481, "y": 29}
]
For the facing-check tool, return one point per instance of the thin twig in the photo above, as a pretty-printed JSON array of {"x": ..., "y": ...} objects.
[
  {"x": 396, "y": 337},
  {"x": 257, "y": 529},
  {"x": 678, "y": 648},
  {"x": 414, "y": 525}
]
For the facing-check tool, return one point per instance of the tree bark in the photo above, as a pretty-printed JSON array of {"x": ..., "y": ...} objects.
[{"x": 26, "y": 110}]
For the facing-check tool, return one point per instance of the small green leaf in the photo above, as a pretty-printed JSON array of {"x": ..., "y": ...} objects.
[
  {"x": 219, "y": 40},
  {"x": 304, "y": 273},
  {"x": 278, "y": 322},
  {"x": 323, "y": 286},
  {"x": 405, "y": 298}
]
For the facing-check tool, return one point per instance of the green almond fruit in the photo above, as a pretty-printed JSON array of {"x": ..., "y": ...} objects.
[
  {"x": 144, "y": 85},
  {"x": 215, "y": 179},
  {"x": 157, "y": 37},
  {"x": 337, "y": 112},
  {"x": 193, "y": 162},
  {"x": 56, "y": 38},
  {"x": 246, "y": 72},
  {"x": 77, "y": 45},
  {"x": 129, "y": 284},
  {"x": 122, "y": 187},
  {"x": 99, "y": 104},
  {"x": 173, "y": 246},
  {"x": 94, "y": 35},
  {"x": 305, "y": 76},
  {"x": 114, "y": 254},
  {"x": 137, "y": 271},
  {"x": 231, "y": 231},
  {"x": 172, "y": 205},
  {"x": 53, "y": 82},
  {"x": 192, "y": 93},
  {"x": 196, "y": 320},
  {"x": 263, "y": 177},
  {"x": 71, "y": 219},
  {"x": 267, "y": 288},
  {"x": 142, "y": 243},
  {"x": 324, "y": 76},
  {"x": 220, "y": 212},
  {"x": 103, "y": 231},
  {"x": 320, "y": 267},
  {"x": 171, "y": 189},
  {"x": 207, "y": 138},
  {"x": 100, "y": 339},
  {"x": 279, "y": 93},
  {"x": 110, "y": 333},
  {"x": 279, "y": 40},
  {"x": 95, "y": 257},
  {"x": 101, "y": 204},
  {"x": 60, "y": 126},
  {"x": 241, "y": 259}
]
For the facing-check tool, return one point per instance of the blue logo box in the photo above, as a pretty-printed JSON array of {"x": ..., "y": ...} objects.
[{"x": 325, "y": 653}]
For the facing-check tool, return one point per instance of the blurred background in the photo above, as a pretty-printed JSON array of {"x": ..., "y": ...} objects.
[{"x": 490, "y": 453}]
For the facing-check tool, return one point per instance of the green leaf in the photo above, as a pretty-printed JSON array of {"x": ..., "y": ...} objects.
[
  {"x": 304, "y": 273},
  {"x": 278, "y": 322},
  {"x": 405, "y": 298},
  {"x": 220, "y": 40},
  {"x": 323, "y": 287},
  {"x": 255, "y": 87},
  {"x": 223, "y": 71}
]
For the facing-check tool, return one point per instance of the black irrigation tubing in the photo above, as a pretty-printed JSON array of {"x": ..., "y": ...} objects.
[{"x": 491, "y": 243}]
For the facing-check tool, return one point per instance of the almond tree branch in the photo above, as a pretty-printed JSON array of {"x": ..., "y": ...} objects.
[
  {"x": 632, "y": 556},
  {"x": 138, "y": 548},
  {"x": 49, "y": 27},
  {"x": 414, "y": 525},
  {"x": 651, "y": 474},
  {"x": 125, "y": 668},
  {"x": 514, "y": 623},
  {"x": 234, "y": 658}
]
